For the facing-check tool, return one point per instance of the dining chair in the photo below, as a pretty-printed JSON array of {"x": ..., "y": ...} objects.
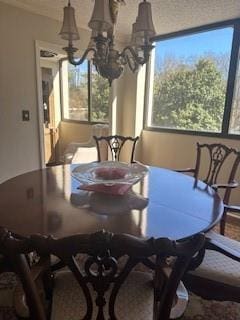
[
  {"x": 211, "y": 162},
  {"x": 215, "y": 271},
  {"x": 97, "y": 287},
  {"x": 115, "y": 144}
]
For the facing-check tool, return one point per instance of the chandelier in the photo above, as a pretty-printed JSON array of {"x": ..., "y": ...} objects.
[{"x": 110, "y": 62}]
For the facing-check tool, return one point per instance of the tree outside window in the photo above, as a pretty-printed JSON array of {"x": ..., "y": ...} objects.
[{"x": 85, "y": 95}]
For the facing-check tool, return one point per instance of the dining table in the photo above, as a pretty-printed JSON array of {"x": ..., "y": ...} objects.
[{"x": 164, "y": 203}]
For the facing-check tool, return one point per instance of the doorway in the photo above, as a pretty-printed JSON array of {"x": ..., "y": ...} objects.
[
  {"x": 51, "y": 131},
  {"x": 49, "y": 103},
  {"x": 50, "y": 108}
]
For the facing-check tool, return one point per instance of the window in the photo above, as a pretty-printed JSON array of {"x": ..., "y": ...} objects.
[
  {"x": 190, "y": 81},
  {"x": 85, "y": 95},
  {"x": 235, "y": 114}
]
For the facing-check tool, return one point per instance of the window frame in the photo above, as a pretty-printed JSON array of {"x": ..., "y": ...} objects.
[
  {"x": 89, "y": 85},
  {"x": 232, "y": 72}
]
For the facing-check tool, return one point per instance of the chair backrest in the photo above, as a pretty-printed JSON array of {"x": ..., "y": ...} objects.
[
  {"x": 115, "y": 144},
  {"x": 218, "y": 155},
  {"x": 101, "y": 268}
]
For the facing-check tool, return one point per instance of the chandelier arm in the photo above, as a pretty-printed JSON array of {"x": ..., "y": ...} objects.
[
  {"x": 136, "y": 58},
  {"x": 70, "y": 52},
  {"x": 123, "y": 59},
  {"x": 132, "y": 62},
  {"x": 132, "y": 67}
]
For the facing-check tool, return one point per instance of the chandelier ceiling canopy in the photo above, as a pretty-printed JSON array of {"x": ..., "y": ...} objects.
[{"x": 108, "y": 61}]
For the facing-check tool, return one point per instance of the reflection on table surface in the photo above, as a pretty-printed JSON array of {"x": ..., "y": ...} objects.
[
  {"x": 107, "y": 204},
  {"x": 163, "y": 204}
]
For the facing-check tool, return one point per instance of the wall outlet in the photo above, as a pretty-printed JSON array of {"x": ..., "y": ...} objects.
[{"x": 25, "y": 115}]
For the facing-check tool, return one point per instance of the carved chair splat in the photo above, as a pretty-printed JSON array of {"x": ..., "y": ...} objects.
[{"x": 115, "y": 144}]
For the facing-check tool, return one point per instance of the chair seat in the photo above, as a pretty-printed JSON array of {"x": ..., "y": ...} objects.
[
  {"x": 218, "y": 267},
  {"x": 135, "y": 298}
]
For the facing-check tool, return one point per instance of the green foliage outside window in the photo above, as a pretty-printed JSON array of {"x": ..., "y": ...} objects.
[
  {"x": 78, "y": 93},
  {"x": 100, "y": 98},
  {"x": 189, "y": 97},
  {"x": 79, "y": 107}
]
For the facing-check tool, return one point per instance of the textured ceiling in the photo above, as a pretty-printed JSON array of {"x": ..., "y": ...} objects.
[{"x": 168, "y": 15}]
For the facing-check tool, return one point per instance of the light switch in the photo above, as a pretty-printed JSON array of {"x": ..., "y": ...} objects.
[{"x": 25, "y": 115}]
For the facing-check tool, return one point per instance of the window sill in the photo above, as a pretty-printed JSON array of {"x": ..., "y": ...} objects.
[
  {"x": 84, "y": 121},
  {"x": 194, "y": 133}
]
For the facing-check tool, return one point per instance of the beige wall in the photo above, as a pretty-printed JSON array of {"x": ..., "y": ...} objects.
[
  {"x": 19, "y": 141},
  {"x": 175, "y": 150},
  {"x": 73, "y": 132},
  {"x": 130, "y": 106}
]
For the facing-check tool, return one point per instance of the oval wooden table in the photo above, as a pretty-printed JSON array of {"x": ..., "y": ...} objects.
[{"x": 164, "y": 204}]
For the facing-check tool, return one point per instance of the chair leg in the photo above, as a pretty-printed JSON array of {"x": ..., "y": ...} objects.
[
  {"x": 223, "y": 224},
  {"x": 33, "y": 300}
]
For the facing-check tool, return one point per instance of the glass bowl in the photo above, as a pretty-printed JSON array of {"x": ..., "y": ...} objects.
[{"x": 109, "y": 172}]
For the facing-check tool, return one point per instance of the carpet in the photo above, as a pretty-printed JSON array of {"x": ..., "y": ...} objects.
[{"x": 198, "y": 309}]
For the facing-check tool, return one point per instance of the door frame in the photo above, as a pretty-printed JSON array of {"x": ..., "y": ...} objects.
[
  {"x": 51, "y": 130},
  {"x": 41, "y": 45}
]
